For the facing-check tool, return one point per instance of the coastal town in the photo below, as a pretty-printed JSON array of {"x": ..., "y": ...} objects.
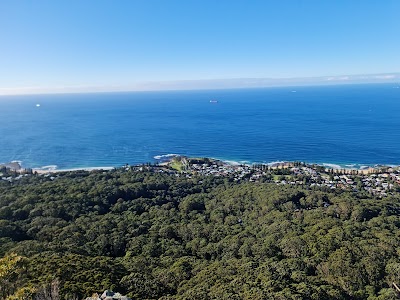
[{"x": 380, "y": 181}]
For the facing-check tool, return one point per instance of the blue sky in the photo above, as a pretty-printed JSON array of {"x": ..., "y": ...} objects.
[{"x": 47, "y": 44}]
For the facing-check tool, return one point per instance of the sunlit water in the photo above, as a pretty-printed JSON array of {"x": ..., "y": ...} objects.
[{"x": 354, "y": 124}]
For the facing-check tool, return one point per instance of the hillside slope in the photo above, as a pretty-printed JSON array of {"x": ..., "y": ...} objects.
[{"x": 151, "y": 235}]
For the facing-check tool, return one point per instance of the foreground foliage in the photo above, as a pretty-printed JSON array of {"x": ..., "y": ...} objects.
[{"x": 152, "y": 235}]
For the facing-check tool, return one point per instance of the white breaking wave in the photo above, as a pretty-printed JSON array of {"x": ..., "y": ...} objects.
[
  {"x": 165, "y": 156},
  {"x": 273, "y": 163},
  {"x": 49, "y": 167},
  {"x": 232, "y": 162},
  {"x": 86, "y": 169},
  {"x": 351, "y": 165},
  {"x": 333, "y": 166}
]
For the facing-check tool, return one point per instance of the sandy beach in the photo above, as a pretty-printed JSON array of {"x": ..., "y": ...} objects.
[
  {"x": 46, "y": 171},
  {"x": 365, "y": 170}
]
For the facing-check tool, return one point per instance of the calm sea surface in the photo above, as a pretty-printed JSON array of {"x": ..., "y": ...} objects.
[{"x": 352, "y": 124}]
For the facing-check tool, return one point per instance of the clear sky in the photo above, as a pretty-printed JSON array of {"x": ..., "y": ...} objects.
[{"x": 53, "y": 43}]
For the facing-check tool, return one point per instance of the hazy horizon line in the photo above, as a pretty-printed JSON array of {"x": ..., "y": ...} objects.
[{"x": 208, "y": 84}]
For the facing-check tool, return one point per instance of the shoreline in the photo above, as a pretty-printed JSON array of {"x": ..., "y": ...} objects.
[
  {"x": 330, "y": 165},
  {"x": 362, "y": 168},
  {"x": 55, "y": 170},
  {"x": 378, "y": 180},
  {"x": 164, "y": 160},
  {"x": 18, "y": 167}
]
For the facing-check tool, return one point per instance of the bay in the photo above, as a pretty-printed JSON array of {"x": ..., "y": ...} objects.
[{"x": 345, "y": 125}]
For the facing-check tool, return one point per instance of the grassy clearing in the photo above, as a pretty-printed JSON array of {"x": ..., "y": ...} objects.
[
  {"x": 277, "y": 177},
  {"x": 176, "y": 165}
]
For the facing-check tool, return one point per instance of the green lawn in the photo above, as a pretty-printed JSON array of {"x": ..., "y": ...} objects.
[{"x": 177, "y": 165}]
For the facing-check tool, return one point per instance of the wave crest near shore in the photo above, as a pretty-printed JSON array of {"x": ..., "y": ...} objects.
[{"x": 165, "y": 156}]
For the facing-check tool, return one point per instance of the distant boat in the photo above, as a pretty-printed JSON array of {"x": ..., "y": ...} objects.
[
  {"x": 213, "y": 101},
  {"x": 37, "y": 105}
]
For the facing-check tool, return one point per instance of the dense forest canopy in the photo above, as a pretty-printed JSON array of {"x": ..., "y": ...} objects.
[{"x": 151, "y": 235}]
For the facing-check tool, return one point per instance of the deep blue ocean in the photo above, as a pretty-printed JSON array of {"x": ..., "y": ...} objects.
[{"x": 345, "y": 125}]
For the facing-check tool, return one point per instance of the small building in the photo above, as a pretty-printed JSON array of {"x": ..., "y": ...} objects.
[{"x": 108, "y": 295}]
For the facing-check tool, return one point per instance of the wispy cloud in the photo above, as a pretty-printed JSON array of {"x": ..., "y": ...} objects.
[
  {"x": 207, "y": 84},
  {"x": 385, "y": 76}
]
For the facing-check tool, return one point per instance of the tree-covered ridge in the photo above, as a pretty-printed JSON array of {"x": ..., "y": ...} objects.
[{"x": 152, "y": 235}]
